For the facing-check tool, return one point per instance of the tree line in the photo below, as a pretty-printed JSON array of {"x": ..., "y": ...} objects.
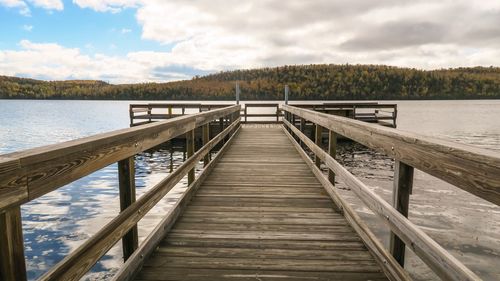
[{"x": 307, "y": 82}]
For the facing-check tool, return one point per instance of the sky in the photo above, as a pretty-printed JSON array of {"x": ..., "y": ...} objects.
[{"x": 132, "y": 41}]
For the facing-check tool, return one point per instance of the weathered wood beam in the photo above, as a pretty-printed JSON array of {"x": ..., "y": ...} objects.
[
  {"x": 126, "y": 179},
  {"x": 318, "y": 140},
  {"x": 190, "y": 153},
  {"x": 12, "y": 263},
  {"x": 332, "y": 150},
  {"x": 206, "y": 139},
  {"x": 403, "y": 183}
]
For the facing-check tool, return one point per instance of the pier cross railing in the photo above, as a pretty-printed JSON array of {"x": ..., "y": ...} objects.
[
  {"x": 474, "y": 170},
  {"x": 27, "y": 175}
]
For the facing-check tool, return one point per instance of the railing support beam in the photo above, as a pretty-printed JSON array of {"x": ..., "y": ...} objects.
[
  {"x": 403, "y": 183},
  {"x": 318, "y": 135},
  {"x": 126, "y": 179},
  {"x": 12, "y": 263},
  {"x": 221, "y": 127},
  {"x": 302, "y": 128},
  {"x": 206, "y": 139},
  {"x": 190, "y": 152},
  {"x": 332, "y": 150}
]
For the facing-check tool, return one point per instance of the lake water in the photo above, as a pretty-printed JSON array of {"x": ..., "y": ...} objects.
[{"x": 60, "y": 221}]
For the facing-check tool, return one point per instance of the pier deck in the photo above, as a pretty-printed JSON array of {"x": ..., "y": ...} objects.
[{"x": 261, "y": 215}]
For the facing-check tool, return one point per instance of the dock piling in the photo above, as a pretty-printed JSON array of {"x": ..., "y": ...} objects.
[
  {"x": 403, "y": 184},
  {"x": 126, "y": 180}
]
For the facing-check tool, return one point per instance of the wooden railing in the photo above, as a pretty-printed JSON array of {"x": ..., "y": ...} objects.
[
  {"x": 160, "y": 111},
  {"x": 276, "y": 114},
  {"x": 147, "y": 113},
  {"x": 474, "y": 170},
  {"x": 27, "y": 175},
  {"x": 372, "y": 112}
]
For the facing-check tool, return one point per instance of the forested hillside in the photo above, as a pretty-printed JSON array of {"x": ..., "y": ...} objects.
[{"x": 333, "y": 82}]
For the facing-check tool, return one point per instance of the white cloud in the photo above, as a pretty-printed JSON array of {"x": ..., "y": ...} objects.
[
  {"x": 125, "y": 30},
  {"x": 113, "y": 6},
  {"x": 49, "y": 4},
  {"x": 54, "y": 62},
  {"x": 216, "y": 34},
  {"x": 21, "y": 5},
  {"x": 28, "y": 28},
  {"x": 213, "y": 35}
]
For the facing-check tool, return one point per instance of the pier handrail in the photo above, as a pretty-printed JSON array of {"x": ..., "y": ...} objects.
[
  {"x": 29, "y": 174},
  {"x": 151, "y": 112},
  {"x": 474, "y": 170}
]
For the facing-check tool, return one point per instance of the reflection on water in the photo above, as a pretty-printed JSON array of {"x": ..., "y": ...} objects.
[{"x": 60, "y": 221}]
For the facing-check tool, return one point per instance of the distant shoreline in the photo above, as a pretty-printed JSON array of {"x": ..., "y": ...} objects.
[{"x": 306, "y": 82}]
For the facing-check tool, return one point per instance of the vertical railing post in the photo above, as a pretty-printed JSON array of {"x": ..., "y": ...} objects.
[
  {"x": 206, "y": 139},
  {"x": 332, "y": 150},
  {"x": 126, "y": 179},
  {"x": 131, "y": 114},
  {"x": 149, "y": 113},
  {"x": 403, "y": 183},
  {"x": 12, "y": 263},
  {"x": 277, "y": 113},
  {"x": 171, "y": 152},
  {"x": 190, "y": 153},
  {"x": 395, "y": 116},
  {"x": 287, "y": 91},
  {"x": 246, "y": 113},
  {"x": 221, "y": 127},
  {"x": 318, "y": 136},
  {"x": 170, "y": 112},
  {"x": 302, "y": 127},
  {"x": 237, "y": 93}
]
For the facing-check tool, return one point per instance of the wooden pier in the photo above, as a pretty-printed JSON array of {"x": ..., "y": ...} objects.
[
  {"x": 373, "y": 112},
  {"x": 261, "y": 209}
]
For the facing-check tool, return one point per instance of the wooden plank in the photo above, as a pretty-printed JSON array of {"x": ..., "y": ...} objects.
[
  {"x": 195, "y": 274},
  {"x": 472, "y": 169},
  {"x": 264, "y": 244},
  {"x": 252, "y": 253},
  {"x": 126, "y": 180},
  {"x": 264, "y": 235},
  {"x": 12, "y": 263},
  {"x": 265, "y": 264},
  {"x": 261, "y": 227},
  {"x": 44, "y": 169},
  {"x": 437, "y": 258},
  {"x": 403, "y": 183}
]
